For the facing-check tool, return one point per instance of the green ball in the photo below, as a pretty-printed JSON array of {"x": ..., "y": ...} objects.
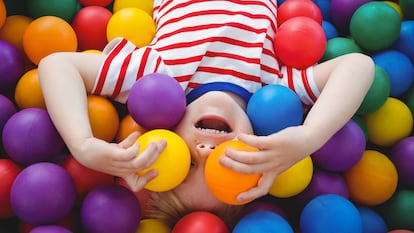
[
  {"x": 64, "y": 9},
  {"x": 377, "y": 93},
  {"x": 407, "y": 8},
  {"x": 338, "y": 46},
  {"x": 398, "y": 211},
  {"x": 375, "y": 26}
]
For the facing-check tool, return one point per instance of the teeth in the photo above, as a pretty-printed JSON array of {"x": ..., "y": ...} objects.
[{"x": 213, "y": 131}]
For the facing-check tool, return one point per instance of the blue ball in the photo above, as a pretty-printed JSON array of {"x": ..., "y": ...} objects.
[
  {"x": 399, "y": 68},
  {"x": 273, "y": 108},
  {"x": 372, "y": 222},
  {"x": 330, "y": 213},
  {"x": 262, "y": 221},
  {"x": 329, "y": 29},
  {"x": 404, "y": 42}
]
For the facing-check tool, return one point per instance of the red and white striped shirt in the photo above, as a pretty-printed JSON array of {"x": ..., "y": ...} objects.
[{"x": 205, "y": 41}]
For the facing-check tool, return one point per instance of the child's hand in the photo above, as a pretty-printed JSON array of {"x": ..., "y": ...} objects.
[{"x": 277, "y": 153}]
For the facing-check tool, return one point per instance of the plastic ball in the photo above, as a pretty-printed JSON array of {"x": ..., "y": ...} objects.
[
  {"x": 128, "y": 126},
  {"x": 373, "y": 180},
  {"x": 64, "y": 9},
  {"x": 264, "y": 205},
  {"x": 294, "y": 180},
  {"x": 372, "y": 222},
  {"x": 296, "y": 8},
  {"x": 103, "y": 117},
  {"x": 90, "y": 27},
  {"x": 377, "y": 94},
  {"x": 291, "y": 47},
  {"x": 156, "y": 101},
  {"x": 273, "y": 108},
  {"x": 29, "y": 136},
  {"x": 133, "y": 24},
  {"x": 329, "y": 29},
  {"x": 262, "y": 222},
  {"x": 342, "y": 11},
  {"x": 404, "y": 41},
  {"x": 226, "y": 184},
  {"x": 330, "y": 213},
  {"x": 392, "y": 122},
  {"x": 11, "y": 66},
  {"x": 375, "y": 26},
  {"x": 338, "y": 46},
  {"x": 402, "y": 155},
  {"x": 174, "y": 159},
  {"x": 50, "y": 229},
  {"x": 396, "y": 7},
  {"x": 46, "y": 35},
  {"x": 28, "y": 93},
  {"x": 200, "y": 222},
  {"x": 110, "y": 208},
  {"x": 152, "y": 225},
  {"x": 407, "y": 8},
  {"x": 343, "y": 150},
  {"x": 8, "y": 173},
  {"x": 102, "y": 3},
  {"x": 42, "y": 194},
  {"x": 145, "y": 5},
  {"x": 7, "y": 109},
  {"x": 17, "y": 24},
  {"x": 3, "y": 13},
  {"x": 399, "y": 68},
  {"x": 398, "y": 211}
]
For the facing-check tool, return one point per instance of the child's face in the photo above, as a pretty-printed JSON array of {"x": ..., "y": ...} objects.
[{"x": 211, "y": 119}]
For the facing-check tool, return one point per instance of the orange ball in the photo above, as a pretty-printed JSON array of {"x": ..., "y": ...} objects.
[
  {"x": 28, "y": 93},
  {"x": 103, "y": 118},
  {"x": 127, "y": 126},
  {"x": 373, "y": 180},
  {"x": 224, "y": 183},
  {"x": 46, "y": 35},
  {"x": 16, "y": 24},
  {"x": 3, "y": 13}
]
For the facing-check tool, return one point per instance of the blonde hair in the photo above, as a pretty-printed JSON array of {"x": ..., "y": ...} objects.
[{"x": 168, "y": 208}]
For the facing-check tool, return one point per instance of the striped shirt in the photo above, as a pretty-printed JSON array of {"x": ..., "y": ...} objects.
[{"x": 205, "y": 41}]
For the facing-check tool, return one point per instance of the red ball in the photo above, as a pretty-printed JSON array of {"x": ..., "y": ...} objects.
[
  {"x": 296, "y": 8},
  {"x": 300, "y": 42},
  {"x": 8, "y": 173},
  {"x": 95, "y": 2},
  {"x": 200, "y": 222},
  {"x": 89, "y": 25}
]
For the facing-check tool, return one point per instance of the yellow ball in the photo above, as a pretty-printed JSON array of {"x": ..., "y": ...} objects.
[
  {"x": 172, "y": 165},
  {"x": 145, "y": 5},
  {"x": 152, "y": 225},
  {"x": 28, "y": 93},
  {"x": 294, "y": 180},
  {"x": 392, "y": 122},
  {"x": 133, "y": 24}
]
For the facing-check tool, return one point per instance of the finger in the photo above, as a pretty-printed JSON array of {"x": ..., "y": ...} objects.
[
  {"x": 262, "y": 189},
  {"x": 252, "y": 140},
  {"x": 131, "y": 139},
  {"x": 137, "y": 183},
  {"x": 247, "y": 157},
  {"x": 127, "y": 153},
  {"x": 239, "y": 167}
]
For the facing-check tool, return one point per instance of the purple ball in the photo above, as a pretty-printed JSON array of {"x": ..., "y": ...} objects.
[
  {"x": 110, "y": 208},
  {"x": 11, "y": 65},
  {"x": 402, "y": 155},
  {"x": 29, "y": 136},
  {"x": 156, "y": 101},
  {"x": 7, "y": 109},
  {"x": 343, "y": 150},
  {"x": 50, "y": 229},
  {"x": 43, "y": 194},
  {"x": 342, "y": 11}
]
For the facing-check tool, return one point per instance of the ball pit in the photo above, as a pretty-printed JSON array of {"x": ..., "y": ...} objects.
[
  {"x": 103, "y": 117},
  {"x": 262, "y": 222},
  {"x": 28, "y": 93},
  {"x": 200, "y": 222},
  {"x": 342, "y": 11}
]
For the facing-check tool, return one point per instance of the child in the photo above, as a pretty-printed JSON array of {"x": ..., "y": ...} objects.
[{"x": 221, "y": 52}]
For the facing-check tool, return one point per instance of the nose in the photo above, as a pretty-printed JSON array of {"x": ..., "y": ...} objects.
[{"x": 204, "y": 150}]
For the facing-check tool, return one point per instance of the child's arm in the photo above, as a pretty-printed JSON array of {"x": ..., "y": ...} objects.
[
  {"x": 66, "y": 79},
  {"x": 344, "y": 82}
]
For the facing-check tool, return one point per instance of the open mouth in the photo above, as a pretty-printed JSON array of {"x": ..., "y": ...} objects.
[{"x": 213, "y": 126}]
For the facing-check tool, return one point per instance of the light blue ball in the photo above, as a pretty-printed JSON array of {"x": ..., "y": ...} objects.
[
  {"x": 273, "y": 108},
  {"x": 404, "y": 42},
  {"x": 262, "y": 221},
  {"x": 372, "y": 222}
]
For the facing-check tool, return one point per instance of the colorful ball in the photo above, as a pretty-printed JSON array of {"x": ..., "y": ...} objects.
[
  {"x": 128, "y": 126},
  {"x": 103, "y": 117},
  {"x": 156, "y": 101},
  {"x": 400, "y": 231},
  {"x": 133, "y": 24},
  {"x": 377, "y": 94},
  {"x": 396, "y": 7},
  {"x": 293, "y": 49},
  {"x": 402, "y": 155},
  {"x": 200, "y": 222},
  {"x": 8, "y": 173},
  {"x": 16, "y": 24},
  {"x": 29, "y": 136},
  {"x": 110, "y": 208},
  {"x": 152, "y": 225},
  {"x": 399, "y": 68},
  {"x": 343, "y": 150},
  {"x": 267, "y": 119},
  {"x": 294, "y": 180},
  {"x": 42, "y": 194},
  {"x": 342, "y": 11},
  {"x": 145, "y": 5},
  {"x": 398, "y": 211},
  {"x": 226, "y": 184},
  {"x": 404, "y": 41},
  {"x": 372, "y": 222},
  {"x": 64, "y": 9},
  {"x": 11, "y": 66},
  {"x": 329, "y": 29},
  {"x": 264, "y": 205},
  {"x": 296, "y": 8},
  {"x": 7, "y": 109},
  {"x": 392, "y": 122},
  {"x": 338, "y": 46},
  {"x": 102, "y": 3},
  {"x": 262, "y": 222},
  {"x": 46, "y": 35},
  {"x": 174, "y": 159},
  {"x": 90, "y": 25},
  {"x": 375, "y": 26},
  {"x": 50, "y": 229},
  {"x": 28, "y": 93},
  {"x": 373, "y": 180},
  {"x": 3, "y": 13},
  {"x": 330, "y": 213}
]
